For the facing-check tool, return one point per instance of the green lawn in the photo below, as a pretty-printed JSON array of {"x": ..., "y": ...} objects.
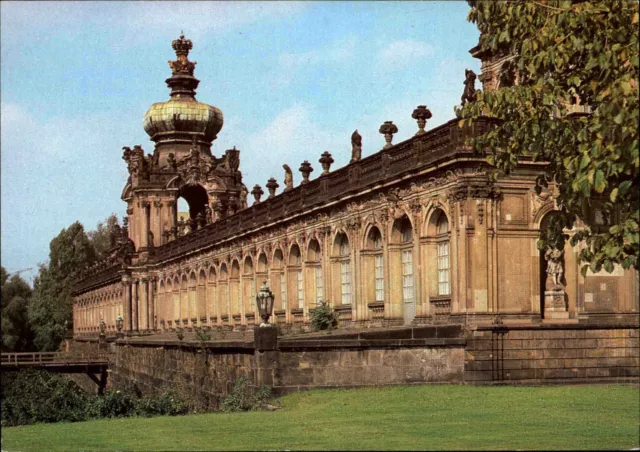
[{"x": 402, "y": 417}]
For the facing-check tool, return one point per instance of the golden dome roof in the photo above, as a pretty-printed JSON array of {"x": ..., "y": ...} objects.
[{"x": 182, "y": 115}]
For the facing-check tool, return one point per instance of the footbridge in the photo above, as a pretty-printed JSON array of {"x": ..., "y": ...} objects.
[{"x": 95, "y": 365}]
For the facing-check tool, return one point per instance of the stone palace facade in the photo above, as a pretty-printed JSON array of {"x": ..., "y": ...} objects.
[{"x": 416, "y": 233}]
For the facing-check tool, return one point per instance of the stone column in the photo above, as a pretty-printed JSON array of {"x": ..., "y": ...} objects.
[
  {"x": 151, "y": 303},
  {"x": 144, "y": 304},
  {"x": 126, "y": 309},
  {"x": 134, "y": 309}
]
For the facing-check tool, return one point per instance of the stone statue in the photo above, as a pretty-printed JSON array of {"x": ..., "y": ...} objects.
[
  {"x": 468, "y": 95},
  {"x": 555, "y": 261},
  {"x": 244, "y": 192},
  {"x": 150, "y": 239},
  {"x": 356, "y": 146},
  {"x": 288, "y": 177}
]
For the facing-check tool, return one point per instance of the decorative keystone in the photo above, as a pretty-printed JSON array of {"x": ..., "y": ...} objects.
[
  {"x": 388, "y": 129},
  {"x": 421, "y": 114},
  {"x": 272, "y": 185},
  {"x": 257, "y": 193},
  {"x": 325, "y": 160},
  {"x": 306, "y": 169}
]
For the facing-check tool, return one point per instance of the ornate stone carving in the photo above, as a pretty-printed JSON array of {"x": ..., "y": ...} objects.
[
  {"x": 421, "y": 114},
  {"x": 325, "y": 160},
  {"x": 388, "y": 129},
  {"x": 356, "y": 146},
  {"x": 288, "y": 177},
  {"x": 469, "y": 93},
  {"x": 195, "y": 167}
]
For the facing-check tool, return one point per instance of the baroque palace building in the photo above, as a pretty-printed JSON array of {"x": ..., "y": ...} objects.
[{"x": 416, "y": 233}]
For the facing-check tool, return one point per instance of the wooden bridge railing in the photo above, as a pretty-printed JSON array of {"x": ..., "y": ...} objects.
[{"x": 51, "y": 358}]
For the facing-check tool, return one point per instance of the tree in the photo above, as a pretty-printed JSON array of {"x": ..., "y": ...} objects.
[
  {"x": 568, "y": 52},
  {"x": 17, "y": 335},
  {"x": 52, "y": 303},
  {"x": 104, "y": 234}
]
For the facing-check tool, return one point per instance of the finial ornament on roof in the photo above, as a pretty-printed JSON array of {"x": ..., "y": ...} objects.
[{"x": 182, "y": 65}]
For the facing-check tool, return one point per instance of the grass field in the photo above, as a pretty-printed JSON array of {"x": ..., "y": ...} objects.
[{"x": 402, "y": 417}]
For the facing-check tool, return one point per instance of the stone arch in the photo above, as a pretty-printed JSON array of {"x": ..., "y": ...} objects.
[
  {"x": 540, "y": 215},
  {"x": 263, "y": 263}
]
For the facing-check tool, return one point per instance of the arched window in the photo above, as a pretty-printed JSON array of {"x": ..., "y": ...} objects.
[
  {"x": 234, "y": 286},
  {"x": 402, "y": 268},
  {"x": 374, "y": 259},
  {"x": 279, "y": 281},
  {"x": 201, "y": 296},
  {"x": 314, "y": 261},
  {"x": 442, "y": 241},
  {"x": 249, "y": 286},
  {"x": 342, "y": 251},
  {"x": 212, "y": 303},
  {"x": 295, "y": 274},
  {"x": 224, "y": 306}
]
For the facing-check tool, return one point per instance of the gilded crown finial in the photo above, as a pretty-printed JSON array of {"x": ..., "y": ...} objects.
[{"x": 182, "y": 45}]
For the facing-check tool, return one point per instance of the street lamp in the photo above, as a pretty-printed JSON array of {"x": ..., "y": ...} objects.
[
  {"x": 119, "y": 323},
  {"x": 103, "y": 327},
  {"x": 264, "y": 300}
]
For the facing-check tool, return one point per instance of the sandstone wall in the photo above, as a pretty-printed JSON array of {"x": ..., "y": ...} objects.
[{"x": 553, "y": 355}]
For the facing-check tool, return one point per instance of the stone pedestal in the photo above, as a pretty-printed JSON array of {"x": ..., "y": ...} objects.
[
  {"x": 102, "y": 342},
  {"x": 266, "y": 338},
  {"x": 555, "y": 307}
]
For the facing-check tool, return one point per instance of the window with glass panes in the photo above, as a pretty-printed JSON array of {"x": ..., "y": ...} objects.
[
  {"x": 345, "y": 271},
  {"x": 444, "y": 287},
  {"x": 319, "y": 284},
  {"x": 407, "y": 276},
  {"x": 283, "y": 290},
  {"x": 345, "y": 279},
  {"x": 300, "y": 289},
  {"x": 379, "y": 268}
]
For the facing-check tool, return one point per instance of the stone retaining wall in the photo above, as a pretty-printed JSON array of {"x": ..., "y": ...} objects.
[
  {"x": 533, "y": 354},
  {"x": 552, "y": 354}
]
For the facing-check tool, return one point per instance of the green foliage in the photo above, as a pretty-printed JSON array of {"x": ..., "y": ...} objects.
[
  {"x": 101, "y": 237},
  {"x": 565, "y": 51},
  {"x": 17, "y": 335},
  {"x": 323, "y": 317},
  {"x": 34, "y": 396},
  {"x": 243, "y": 397},
  {"x": 179, "y": 332},
  {"x": 202, "y": 335},
  {"x": 52, "y": 303}
]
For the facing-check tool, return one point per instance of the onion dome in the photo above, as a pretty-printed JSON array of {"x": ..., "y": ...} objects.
[{"x": 182, "y": 116}]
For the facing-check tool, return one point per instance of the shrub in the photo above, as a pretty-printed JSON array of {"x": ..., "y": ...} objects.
[
  {"x": 244, "y": 398},
  {"x": 32, "y": 396},
  {"x": 202, "y": 335},
  {"x": 323, "y": 317}
]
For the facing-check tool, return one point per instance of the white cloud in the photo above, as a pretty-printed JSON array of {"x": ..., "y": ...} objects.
[{"x": 399, "y": 54}]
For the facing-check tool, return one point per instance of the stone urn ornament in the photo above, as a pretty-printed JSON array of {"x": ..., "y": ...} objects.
[
  {"x": 325, "y": 160},
  {"x": 257, "y": 193},
  {"x": 421, "y": 114},
  {"x": 388, "y": 129},
  {"x": 272, "y": 186},
  {"x": 306, "y": 169}
]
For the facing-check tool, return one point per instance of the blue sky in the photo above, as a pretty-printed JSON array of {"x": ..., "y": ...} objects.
[{"x": 293, "y": 80}]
